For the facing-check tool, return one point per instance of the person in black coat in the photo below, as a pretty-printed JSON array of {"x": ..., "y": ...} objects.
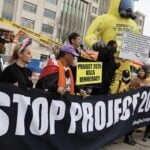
[
  {"x": 106, "y": 56},
  {"x": 17, "y": 73}
]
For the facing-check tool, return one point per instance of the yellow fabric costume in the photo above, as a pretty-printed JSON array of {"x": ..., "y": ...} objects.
[
  {"x": 111, "y": 26},
  {"x": 120, "y": 86}
]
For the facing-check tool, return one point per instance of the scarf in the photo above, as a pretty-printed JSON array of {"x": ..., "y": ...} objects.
[{"x": 62, "y": 78}]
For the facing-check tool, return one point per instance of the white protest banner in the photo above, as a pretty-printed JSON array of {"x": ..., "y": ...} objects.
[{"x": 135, "y": 47}]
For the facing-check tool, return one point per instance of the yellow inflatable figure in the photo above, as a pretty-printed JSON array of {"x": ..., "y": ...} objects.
[{"x": 111, "y": 26}]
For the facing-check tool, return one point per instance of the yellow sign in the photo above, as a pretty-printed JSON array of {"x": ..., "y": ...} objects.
[
  {"x": 89, "y": 73},
  {"x": 38, "y": 37}
]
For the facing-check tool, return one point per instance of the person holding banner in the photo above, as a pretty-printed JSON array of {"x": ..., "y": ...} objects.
[
  {"x": 141, "y": 81},
  {"x": 17, "y": 73},
  {"x": 57, "y": 75},
  {"x": 123, "y": 84},
  {"x": 137, "y": 82}
]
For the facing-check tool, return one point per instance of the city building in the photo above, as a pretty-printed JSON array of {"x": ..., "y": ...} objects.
[
  {"x": 54, "y": 18},
  {"x": 40, "y": 16},
  {"x": 103, "y": 7},
  {"x": 73, "y": 18},
  {"x": 94, "y": 11},
  {"x": 98, "y": 7}
]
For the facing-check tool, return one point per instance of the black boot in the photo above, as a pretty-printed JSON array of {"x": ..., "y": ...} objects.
[
  {"x": 133, "y": 141},
  {"x": 128, "y": 139},
  {"x": 146, "y": 134},
  {"x": 144, "y": 139}
]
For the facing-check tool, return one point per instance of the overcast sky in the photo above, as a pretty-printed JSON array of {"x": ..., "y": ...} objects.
[{"x": 144, "y": 7}]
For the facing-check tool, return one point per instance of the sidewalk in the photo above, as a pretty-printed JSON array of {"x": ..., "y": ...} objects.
[{"x": 120, "y": 145}]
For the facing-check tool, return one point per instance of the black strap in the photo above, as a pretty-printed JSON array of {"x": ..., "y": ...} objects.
[{"x": 120, "y": 82}]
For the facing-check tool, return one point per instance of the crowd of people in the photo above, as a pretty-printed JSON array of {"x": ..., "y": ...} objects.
[{"x": 59, "y": 75}]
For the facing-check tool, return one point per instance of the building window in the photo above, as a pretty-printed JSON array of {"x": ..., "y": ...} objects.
[
  {"x": 8, "y": 9},
  {"x": 9, "y": 1},
  {"x": 7, "y": 15},
  {"x": 96, "y": 1},
  {"x": 94, "y": 10},
  {"x": 29, "y": 7},
  {"x": 43, "y": 57},
  {"x": 105, "y": 3},
  {"x": 54, "y": 2},
  {"x": 47, "y": 28},
  {"x": 49, "y": 14},
  {"x": 28, "y": 23}
]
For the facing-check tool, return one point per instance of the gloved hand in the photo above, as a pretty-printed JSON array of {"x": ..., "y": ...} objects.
[{"x": 98, "y": 45}]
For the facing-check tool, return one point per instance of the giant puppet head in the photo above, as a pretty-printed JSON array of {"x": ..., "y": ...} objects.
[
  {"x": 126, "y": 9},
  {"x": 123, "y": 8}
]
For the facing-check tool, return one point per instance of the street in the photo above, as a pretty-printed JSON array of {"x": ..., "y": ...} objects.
[{"x": 120, "y": 145}]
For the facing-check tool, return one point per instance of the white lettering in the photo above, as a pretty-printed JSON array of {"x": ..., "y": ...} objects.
[
  {"x": 100, "y": 115},
  {"x": 76, "y": 114},
  {"x": 57, "y": 112},
  {"x": 87, "y": 122},
  {"x": 127, "y": 101},
  {"x": 117, "y": 110},
  {"x": 4, "y": 119},
  {"x": 39, "y": 123}
]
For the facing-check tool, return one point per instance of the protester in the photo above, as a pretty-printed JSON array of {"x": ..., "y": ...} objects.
[
  {"x": 57, "y": 75},
  {"x": 105, "y": 54},
  {"x": 2, "y": 50},
  {"x": 123, "y": 84},
  {"x": 141, "y": 81},
  {"x": 137, "y": 82},
  {"x": 75, "y": 41},
  {"x": 17, "y": 73}
]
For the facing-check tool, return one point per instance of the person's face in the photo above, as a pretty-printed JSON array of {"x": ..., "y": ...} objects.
[
  {"x": 76, "y": 42},
  {"x": 115, "y": 46},
  {"x": 69, "y": 58},
  {"x": 25, "y": 56},
  {"x": 141, "y": 73}
]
